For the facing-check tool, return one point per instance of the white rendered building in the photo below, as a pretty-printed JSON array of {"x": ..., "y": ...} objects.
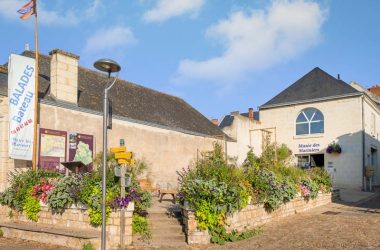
[{"x": 308, "y": 116}]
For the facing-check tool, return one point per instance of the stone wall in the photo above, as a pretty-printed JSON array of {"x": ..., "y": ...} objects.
[
  {"x": 253, "y": 215},
  {"x": 76, "y": 219}
]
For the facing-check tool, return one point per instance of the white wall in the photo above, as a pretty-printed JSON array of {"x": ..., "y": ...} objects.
[
  {"x": 241, "y": 130},
  {"x": 342, "y": 123}
]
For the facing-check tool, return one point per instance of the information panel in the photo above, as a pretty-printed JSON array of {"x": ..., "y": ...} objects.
[
  {"x": 52, "y": 149},
  {"x": 81, "y": 148}
]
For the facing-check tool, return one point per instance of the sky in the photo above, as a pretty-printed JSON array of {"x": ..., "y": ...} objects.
[{"x": 218, "y": 55}]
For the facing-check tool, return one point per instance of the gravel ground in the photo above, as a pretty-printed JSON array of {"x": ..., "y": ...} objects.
[
  {"x": 343, "y": 227},
  {"x": 17, "y": 244}
]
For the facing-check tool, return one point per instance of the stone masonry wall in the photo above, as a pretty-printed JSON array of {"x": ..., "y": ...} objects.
[
  {"x": 77, "y": 219},
  {"x": 253, "y": 215}
]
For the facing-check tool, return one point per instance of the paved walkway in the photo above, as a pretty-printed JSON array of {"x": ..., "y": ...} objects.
[{"x": 333, "y": 226}]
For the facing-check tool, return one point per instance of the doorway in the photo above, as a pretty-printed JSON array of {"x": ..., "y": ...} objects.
[
  {"x": 310, "y": 161},
  {"x": 373, "y": 162}
]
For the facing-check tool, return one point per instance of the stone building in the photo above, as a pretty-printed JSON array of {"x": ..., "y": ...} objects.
[
  {"x": 162, "y": 129},
  {"x": 311, "y": 114}
]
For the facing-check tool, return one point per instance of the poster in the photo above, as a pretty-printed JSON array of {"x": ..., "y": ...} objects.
[
  {"x": 81, "y": 148},
  {"x": 21, "y": 95},
  {"x": 52, "y": 149}
]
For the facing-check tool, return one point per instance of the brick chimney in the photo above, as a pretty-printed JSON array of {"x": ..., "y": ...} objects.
[
  {"x": 375, "y": 90},
  {"x": 64, "y": 76},
  {"x": 250, "y": 113},
  {"x": 215, "y": 121}
]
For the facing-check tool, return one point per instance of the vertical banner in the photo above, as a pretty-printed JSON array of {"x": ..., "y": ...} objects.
[
  {"x": 21, "y": 94},
  {"x": 81, "y": 148},
  {"x": 52, "y": 149}
]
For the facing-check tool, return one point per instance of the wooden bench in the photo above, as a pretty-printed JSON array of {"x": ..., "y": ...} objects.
[
  {"x": 146, "y": 184},
  {"x": 172, "y": 192}
]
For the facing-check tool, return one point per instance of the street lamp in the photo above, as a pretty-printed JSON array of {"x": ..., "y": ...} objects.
[{"x": 109, "y": 66}]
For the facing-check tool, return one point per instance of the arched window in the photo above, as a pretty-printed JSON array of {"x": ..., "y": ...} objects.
[{"x": 309, "y": 121}]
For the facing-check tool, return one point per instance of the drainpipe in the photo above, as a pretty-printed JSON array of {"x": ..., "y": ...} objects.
[{"x": 363, "y": 142}]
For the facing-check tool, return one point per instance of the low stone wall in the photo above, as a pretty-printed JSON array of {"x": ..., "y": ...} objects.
[
  {"x": 77, "y": 219},
  {"x": 253, "y": 215}
]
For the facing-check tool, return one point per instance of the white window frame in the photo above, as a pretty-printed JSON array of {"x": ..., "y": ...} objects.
[{"x": 309, "y": 122}]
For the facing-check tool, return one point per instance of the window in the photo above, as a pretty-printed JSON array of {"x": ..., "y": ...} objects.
[{"x": 310, "y": 121}]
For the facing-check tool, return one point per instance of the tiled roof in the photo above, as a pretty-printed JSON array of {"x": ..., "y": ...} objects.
[
  {"x": 129, "y": 100},
  {"x": 316, "y": 84}
]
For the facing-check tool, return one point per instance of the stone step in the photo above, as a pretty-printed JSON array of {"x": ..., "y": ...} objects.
[
  {"x": 166, "y": 240},
  {"x": 167, "y": 232},
  {"x": 74, "y": 239},
  {"x": 164, "y": 222},
  {"x": 162, "y": 226},
  {"x": 164, "y": 215}
]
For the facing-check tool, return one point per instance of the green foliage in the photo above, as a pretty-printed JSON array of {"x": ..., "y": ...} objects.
[
  {"x": 270, "y": 190},
  {"x": 321, "y": 178},
  {"x": 272, "y": 155},
  {"x": 88, "y": 246},
  {"x": 31, "y": 207},
  {"x": 21, "y": 184},
  {"x": 140, "y": 226},
  {"x": 64, "y": 194},
  {"x": 93, "y": 199},
  {"x": 1, "y": 233},
  {"x": 111, "y": 161},
  {"x": 219, "y": 235},
  {"x": 214, "y": 189},
  {"x": 311, "y": 188},
  {"x": 8, "y": 198}
]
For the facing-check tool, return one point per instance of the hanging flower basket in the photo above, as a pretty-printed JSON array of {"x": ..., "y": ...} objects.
[{"x": 334, "y": 148}]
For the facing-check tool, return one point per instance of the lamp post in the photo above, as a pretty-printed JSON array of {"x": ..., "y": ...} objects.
[{"x": 109, "y": 66}]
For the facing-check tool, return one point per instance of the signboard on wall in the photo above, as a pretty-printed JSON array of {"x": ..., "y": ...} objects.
[
  {"x": 52, "y": 149},
  {"x": 309, "y": 147},
  {"x": 21, "y": 95},
  {"x": 81, "y": 148}
]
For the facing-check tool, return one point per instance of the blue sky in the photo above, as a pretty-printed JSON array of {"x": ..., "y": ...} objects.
[{"x": 218, "y": 55}]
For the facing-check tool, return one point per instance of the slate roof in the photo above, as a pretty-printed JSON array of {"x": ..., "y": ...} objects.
[
  {"x": 129, "y": 100},
  {"x": 229, "y": 119},
  {"x": 315, "y": 85}
]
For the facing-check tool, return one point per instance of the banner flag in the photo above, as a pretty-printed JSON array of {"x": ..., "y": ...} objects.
[{"x": 21, "y": 94}]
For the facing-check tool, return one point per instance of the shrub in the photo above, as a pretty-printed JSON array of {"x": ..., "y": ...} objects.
[
  {"x": 31, "y": 207},
  {"x": 21, "y": 184},
  {"x": 88, "y": 246},
  {"x": 64, "y": 194},
  {"x": 140, "y": 226},
  {"x": 41, "y": 190},
  {"x": 214, "y": 189},
  {"x": 309, "y": 189},
  {"x": 321, "y": 178}
]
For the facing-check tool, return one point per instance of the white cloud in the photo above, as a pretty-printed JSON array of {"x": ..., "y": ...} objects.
[
  {"x": 106, "y": 39},
  {"x": 8, "y": 9},
  {"x": 166, "y": 9},
  {"x": 257, "y": 40}
]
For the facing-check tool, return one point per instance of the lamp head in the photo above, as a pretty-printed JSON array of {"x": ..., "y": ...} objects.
[{"x": 107, "y": 65}]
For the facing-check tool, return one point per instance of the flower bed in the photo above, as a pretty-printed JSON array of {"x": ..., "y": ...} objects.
[
  {"x": 76, "y": 219},
  {"x": 250, "y": 217},
  {"x": 73, "y": 201},
  {"x": 215, "y": 190}
]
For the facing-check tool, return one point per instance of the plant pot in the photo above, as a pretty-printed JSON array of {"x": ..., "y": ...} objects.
[{"x": 131, "y": 206}]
